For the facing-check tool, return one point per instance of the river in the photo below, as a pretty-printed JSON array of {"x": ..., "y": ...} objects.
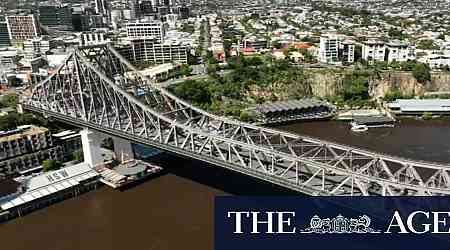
[{"x": 175, "y": 210}]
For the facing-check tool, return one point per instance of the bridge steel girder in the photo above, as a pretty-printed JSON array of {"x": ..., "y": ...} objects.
[{"x": 97, "y": 88}]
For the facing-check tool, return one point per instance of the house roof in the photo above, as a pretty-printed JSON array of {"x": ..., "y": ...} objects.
[{"x": 302, "y": 46}]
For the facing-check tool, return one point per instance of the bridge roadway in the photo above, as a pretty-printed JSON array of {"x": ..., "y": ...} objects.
[{"x": 90, "y": 90}]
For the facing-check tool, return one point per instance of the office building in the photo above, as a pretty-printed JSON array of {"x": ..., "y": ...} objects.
[
  {"x": 146, "y": 8},
  {"x": 101, "y": 7},
  {"x": 149, "y": 50},
  {"x": 183, "y": 12},
  {"x": 80, "y": 21},
  {"x": 93, "y": 38},
  {"x": 56, "y": 17},
  {"x": 39, "y": 45},
  {"x": 4, "y": 35},
  {"x": 147, "y": 29},
  {"x": 22, "y": 27}
]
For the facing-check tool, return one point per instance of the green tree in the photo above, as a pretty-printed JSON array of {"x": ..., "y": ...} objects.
[
  {"x": 252, "y": 61},
  {"x": 427, "y": 115},
  {"x": 195, "y": 91},
  {"x": 355, "y": 86},
  {"x": 50, "y": 165},
  {"x": 396, "y": 33},
  {"x": 394, "y": 95},
  {"x": 192, "y": 59},
  {"x": 10, "y": 100},
  {"x": 78, "y": 155},
  {"x": 422, "y": 73},
  {"x": 244, "y": 116},
  {"x": 427, "y": 44},
  {"x": 185, "y": 70}
]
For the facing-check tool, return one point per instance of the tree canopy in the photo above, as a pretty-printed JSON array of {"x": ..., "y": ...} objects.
[
  {"x": 185, "y": 70},
  {"x": 252, "y": 80},
  {"x": 9, "y": 100},
  {"x": 422, "y": 73},
  {"x": 427, "y": 44},
  {"x": 50, "y": 165}
]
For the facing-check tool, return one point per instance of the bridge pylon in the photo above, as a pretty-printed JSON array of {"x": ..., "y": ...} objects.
[{"x": 91, "y": 141}]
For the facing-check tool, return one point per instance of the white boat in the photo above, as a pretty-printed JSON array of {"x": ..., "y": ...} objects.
[{"x": 359, "y": 128}]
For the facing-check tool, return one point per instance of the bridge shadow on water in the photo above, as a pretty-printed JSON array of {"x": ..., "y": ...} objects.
[{"x": 217, "y": 177}]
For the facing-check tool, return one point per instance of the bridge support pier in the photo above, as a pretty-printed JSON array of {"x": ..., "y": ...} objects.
[
  {"x": 123, "y": 149},
  {"x": 91, "y": 147}
]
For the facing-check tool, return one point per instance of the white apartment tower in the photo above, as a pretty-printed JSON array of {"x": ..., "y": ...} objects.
[
  {"x": 333, "y": 49},
  {"x": 374, "y": 50},
  {"x": 400, "y": 52},
  {"x": 328, "y": 51}
]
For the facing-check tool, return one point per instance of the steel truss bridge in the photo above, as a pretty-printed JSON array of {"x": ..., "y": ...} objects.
[{"x": 98, "y": 89}]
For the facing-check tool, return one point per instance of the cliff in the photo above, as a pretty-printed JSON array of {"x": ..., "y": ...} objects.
[
  {"x": 325, "y": 82},
  {"x": 407, "y": 84}
]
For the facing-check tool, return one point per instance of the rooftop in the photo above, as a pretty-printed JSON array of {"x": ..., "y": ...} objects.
[
  {"x": 21, "y": 131},
  {"x": 290, "y": 105},
  {"x": 131, "y": 169},
  {"x": 51, "y": 182},
  {"x": 421, "y": 104}
]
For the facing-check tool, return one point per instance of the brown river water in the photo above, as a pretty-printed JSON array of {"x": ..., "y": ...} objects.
[{"x": 175, "y": 210}]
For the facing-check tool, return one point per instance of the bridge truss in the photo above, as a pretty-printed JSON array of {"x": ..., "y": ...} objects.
[{"x": 97, "y": 88}]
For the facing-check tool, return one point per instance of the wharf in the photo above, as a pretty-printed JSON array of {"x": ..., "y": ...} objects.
[
  {"x": 126, "y": 173},
  {"x": 374, "y": 121}
]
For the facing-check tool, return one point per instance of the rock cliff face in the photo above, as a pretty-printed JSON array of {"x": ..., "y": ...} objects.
[
  {"x": 328, "y": 83},
  {"x": 325, "y": 83},
  {"x": 407, "y": 84}
]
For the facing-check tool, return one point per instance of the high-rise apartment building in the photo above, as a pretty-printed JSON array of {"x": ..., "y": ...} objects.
[
  {"x": 333, "y": 49},
  {"x": 25, "y": 148},
  {"x": 400, "y": 52},
  {"x": 22, "y": 27},
  {"x": 347, "y": 51},
  {"x": 328, "y": 52},
  {"x": 374, "y": 50}
]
